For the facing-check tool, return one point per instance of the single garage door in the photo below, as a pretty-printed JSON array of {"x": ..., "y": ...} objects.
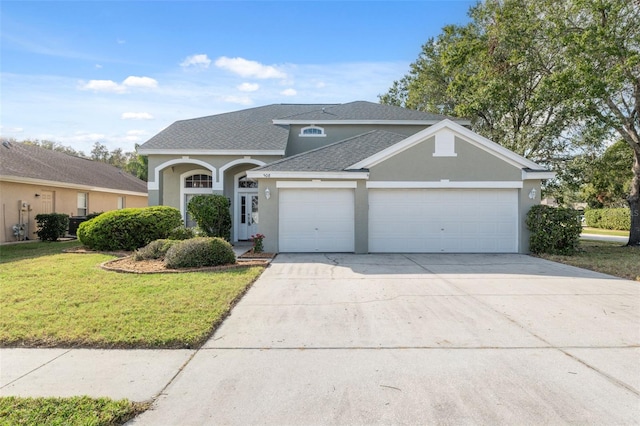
[
  {"x": 443, "y": 220},
  {"x": 316, "y": 220}
]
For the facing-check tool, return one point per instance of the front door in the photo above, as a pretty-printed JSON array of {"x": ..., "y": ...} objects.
[{"x": 248, "y": 215}]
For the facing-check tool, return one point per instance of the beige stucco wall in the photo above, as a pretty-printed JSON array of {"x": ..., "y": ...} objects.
[{"x": 65, "y": 200}]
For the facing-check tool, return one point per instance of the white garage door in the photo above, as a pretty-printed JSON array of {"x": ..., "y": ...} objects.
[
  {"x": 443, "y": 220},
  {"x": 316, "y": 220}
]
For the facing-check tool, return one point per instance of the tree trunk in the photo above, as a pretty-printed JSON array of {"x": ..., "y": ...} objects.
[{"x": 634, "y": 202}]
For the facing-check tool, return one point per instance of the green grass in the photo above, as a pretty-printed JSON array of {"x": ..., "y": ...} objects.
[
  {"x": 67, "y": 411},
  {"x": 66, "y": 300},
  {"x": 600, "y": 231},
  {"x": 606, "y": 257},
  {"x": 11, "y": 252}
]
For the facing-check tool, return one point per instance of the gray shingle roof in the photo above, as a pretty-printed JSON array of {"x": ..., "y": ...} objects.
[
  {"x": 253, "y": 129},
  {"x": 362, "y": 110},
  {"x": 28, "y": 161},
  {"x": 337, "y": 156},
  {"x": 249, "y": 129}
]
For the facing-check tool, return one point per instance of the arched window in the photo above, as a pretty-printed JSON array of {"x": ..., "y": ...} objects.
[
  {"x": 312, "y": 131},
  {"x": 245, "y": 182},
  {"x": 198, "y": 181}
]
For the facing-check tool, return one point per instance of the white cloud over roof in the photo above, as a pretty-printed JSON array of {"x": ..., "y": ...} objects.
[
  {"x": 200, "y": 61},
  {"x": 247, "y": 68},
  {"x": 289, "y": 92},
  {"x": 111, "y": 86}
]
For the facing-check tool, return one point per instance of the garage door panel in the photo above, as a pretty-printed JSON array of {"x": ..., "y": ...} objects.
[
  {"x": 316, "y": 220},
  {"x": 447, "y": 220}
]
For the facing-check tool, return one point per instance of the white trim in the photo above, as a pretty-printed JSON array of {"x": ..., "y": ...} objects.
[
  {"x": 537, "y": 174},
  {"x": 55, "y": 184},
  {"x": 348, "y": 122},
  {"x": 460, "y": 131},
  {"x": 155, "y": 184},
  {"x": 184, "y": 191},
  {"x": 444, "y": 184},
  {"x": 151, "y": 151},
  {"x": 236, "y": 200},
  {"x": 263, "y": 174},
  {"x": 219, "y": 185},
  {"x": 316, "y": 184}
]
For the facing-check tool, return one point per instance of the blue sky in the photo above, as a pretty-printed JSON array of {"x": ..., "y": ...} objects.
[{"x": 118, "y": 72}]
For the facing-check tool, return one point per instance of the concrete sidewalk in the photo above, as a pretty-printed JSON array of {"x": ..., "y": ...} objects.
[{"x": 381, "y": 339}]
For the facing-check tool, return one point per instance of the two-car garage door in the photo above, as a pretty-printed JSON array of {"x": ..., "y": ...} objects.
[
  {"x": 443, "y": 220},
  {"x": 401, "y": 220}
]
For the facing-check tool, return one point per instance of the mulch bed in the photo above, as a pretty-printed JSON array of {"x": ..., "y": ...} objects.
[{"x": 126, "y": 264}]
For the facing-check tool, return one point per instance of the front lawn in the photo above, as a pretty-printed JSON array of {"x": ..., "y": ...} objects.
[
  {"x": 606, "y": 257},
  {"x": 600, "y": 231},
  {"x": 54, "y": 299},
  {"x": 67, "y": 411}
]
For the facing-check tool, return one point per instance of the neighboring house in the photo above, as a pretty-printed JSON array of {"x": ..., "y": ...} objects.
[
  {"x": 357, "y": 177},
  {"x": 35, "y": 180}
]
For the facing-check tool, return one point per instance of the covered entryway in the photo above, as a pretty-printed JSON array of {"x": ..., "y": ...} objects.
[
  {"x": 443, "y": 220},
  {"x": 316, "y": 220}
]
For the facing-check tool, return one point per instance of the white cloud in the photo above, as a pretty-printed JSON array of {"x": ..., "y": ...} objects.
[
  {"x": 111, "y": 86},
  {"x": 199, "y": 61},
  {"x": 246, "y": 68},
  {"x": 103, "y": 86},
  {"x": 289, "y": 92},
  {"x": 248, "y": 87},
  {"x": 4, "y": 129},
  {"x": 146, "y": 82},
  {"x": 121, "y": 41},
  {"x": 98, "y": 66},
  {"x": 242, "y": 100},
  {"x": 136, "y": 116}
]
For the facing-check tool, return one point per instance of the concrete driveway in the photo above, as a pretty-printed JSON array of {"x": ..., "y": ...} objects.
[{"x": 417, "y": 339}]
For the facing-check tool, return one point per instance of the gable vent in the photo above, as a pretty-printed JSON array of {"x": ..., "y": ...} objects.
[{"x": 445, "y": 144}]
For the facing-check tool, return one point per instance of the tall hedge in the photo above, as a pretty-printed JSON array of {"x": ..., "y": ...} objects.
[
  {"x": 129, "y": 229},
  {"x": 211, "y": 213},
  {"x": 619, "y": 219},
  {"x": 554, "y": 230},
  {"x": 52, "y": 226}
]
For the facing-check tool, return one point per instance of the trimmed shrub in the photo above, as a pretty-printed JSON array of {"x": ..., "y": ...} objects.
[
  {"x": 128, "y": 229},
  {"x": 154, "y": 250},
  {"x": 619, "y": 219},
  {"x": 200, "y": 251},
  {"x": 554, "y": 230},
  {"x": 211, "y": 213},
  {"x": 181, "y": 233},
  {"x": 52, "y": 226}
]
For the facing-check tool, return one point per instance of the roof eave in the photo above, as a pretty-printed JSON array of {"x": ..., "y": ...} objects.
[
  {"x": 70, "y": 185},
  {"x": 367, "y": 122},
  {"x": 163, "y": 151}
]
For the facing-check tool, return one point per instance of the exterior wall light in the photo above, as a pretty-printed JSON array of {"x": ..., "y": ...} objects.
[
  {"x": 267, "y": 193},
  {"x": 532, "y": 194}
]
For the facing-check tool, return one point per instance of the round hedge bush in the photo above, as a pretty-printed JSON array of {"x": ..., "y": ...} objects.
[
  {"x": 154, "y": 250},
  {"x": 129, "y": 229},
  {"x": 200, "y": 251}
]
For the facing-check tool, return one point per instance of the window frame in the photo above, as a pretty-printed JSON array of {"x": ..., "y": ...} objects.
[
  {"x": 85, "y": 205},
  {"x": 322, "y": 134}
]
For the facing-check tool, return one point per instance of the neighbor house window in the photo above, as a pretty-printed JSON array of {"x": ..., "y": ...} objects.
[
  {"x": 198, "y": 181},
  {"x": 83, "y": 199},
  {"x": 120, "y": 203},
  {"x": 312, "y": 131}
]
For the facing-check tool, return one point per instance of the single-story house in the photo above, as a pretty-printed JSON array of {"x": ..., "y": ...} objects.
[
  {"x": 36, "y": 180},
  {"x": 357, "y": 177}
]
